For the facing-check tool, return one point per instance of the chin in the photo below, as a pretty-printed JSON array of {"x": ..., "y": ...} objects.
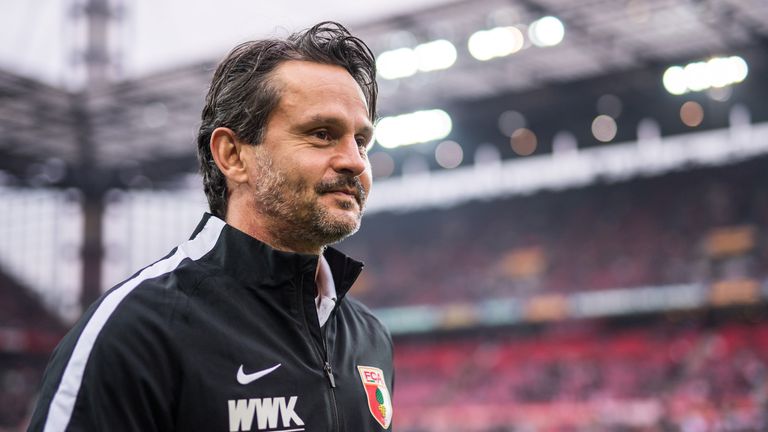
[
  {"x": 335, "y": 222},
  {"x": 342, "y": 211},
  {"x": 336, "y": 229},
  {"x": 348, "y": 225}
]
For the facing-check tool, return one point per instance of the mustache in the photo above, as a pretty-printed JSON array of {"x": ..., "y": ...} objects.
[{"x": 343, "y": 183}]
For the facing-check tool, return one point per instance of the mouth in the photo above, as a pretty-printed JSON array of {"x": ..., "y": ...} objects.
[
  {"x": 344, "y": 189},
  {"x": 350, "y": 193},
  {"x": 344, "y": 194}
]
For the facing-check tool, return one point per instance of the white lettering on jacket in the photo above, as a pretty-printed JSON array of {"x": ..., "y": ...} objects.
[{"x": 267, "y": 410}]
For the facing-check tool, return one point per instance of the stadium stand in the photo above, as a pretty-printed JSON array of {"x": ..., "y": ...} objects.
[
  {"x": 673, "y": 371},
  {"x": 18, "y": 304},
  {"x": 703, "y": 225},
  {"x": 684, "y": 375},
  {"x": 20, "y": 375},
  {"x": 28, "y": 333}
]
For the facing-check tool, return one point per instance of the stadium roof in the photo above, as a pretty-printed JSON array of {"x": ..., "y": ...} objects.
[
  {"x": 162, "y": 54},
  {"x": 42, "y": 38}
]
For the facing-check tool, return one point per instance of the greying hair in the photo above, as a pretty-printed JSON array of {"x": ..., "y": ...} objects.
[{"x": 242, "y": 96}]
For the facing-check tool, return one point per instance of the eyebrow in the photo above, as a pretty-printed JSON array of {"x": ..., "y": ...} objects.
[{"x": 335, "y": 121}]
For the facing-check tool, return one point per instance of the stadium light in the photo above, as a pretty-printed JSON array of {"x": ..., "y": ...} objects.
[
  {"x": 404, "y": 62},
  {"x": 697, "y": 76},
  {"x": 718, "y": 72},
  {"x": 413, "y": 128},
  {"x": 497, "y": 42},
  {"x": 546, "y": 32},
  {"x": 674, "y": 80},
  {"x": 399, "y": 63},
  {"x": 435, "y": 55}
]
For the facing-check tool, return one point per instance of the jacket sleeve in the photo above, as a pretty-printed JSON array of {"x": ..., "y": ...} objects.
[{"x": 113, "y": 374}]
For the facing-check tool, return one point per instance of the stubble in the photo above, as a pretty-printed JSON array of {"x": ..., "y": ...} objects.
[{"x": 296, "y": 218}]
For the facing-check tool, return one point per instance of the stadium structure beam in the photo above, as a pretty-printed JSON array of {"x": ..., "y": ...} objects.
[{"x": 98, "y": 63}]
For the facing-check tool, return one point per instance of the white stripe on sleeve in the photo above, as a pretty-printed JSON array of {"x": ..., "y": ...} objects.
[{"x": 63, "y": 402}]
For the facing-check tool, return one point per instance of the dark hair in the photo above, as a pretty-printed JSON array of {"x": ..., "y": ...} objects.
[{"x": 242, "y": 97}]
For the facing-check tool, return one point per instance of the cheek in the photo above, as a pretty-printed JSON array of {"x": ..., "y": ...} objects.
[
  {"x": 366, "y": 178},
  {"x": 305, "y": 171}
]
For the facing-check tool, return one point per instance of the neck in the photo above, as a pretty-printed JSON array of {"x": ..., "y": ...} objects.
[{"x": 257, "y": 226}]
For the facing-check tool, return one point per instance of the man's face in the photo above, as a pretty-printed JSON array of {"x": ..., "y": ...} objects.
[{"x": 310, "y": 176}]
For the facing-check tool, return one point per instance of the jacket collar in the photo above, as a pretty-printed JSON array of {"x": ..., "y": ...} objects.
[{"x": 257, "y": 264}]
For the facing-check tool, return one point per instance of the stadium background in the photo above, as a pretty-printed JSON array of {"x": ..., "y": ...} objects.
[{"x": 573, "y": 243}]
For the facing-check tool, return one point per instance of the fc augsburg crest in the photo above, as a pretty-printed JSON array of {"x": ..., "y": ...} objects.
[{"x": 379, "y": 402}]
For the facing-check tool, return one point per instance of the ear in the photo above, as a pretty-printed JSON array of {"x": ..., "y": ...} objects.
[{"x": 225, "y": 148}]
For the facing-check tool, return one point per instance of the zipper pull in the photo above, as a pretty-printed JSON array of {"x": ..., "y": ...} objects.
[{"x": 329, "y": 373}]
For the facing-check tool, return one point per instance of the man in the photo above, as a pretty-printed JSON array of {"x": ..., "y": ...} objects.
[{"x": 246, "y": 326}]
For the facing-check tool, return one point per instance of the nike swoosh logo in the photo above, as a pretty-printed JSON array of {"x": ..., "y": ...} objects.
[{"x": 244, "y": 378}]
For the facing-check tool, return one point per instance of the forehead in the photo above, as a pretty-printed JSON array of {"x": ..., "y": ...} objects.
[{"x": 306, "y": 82}]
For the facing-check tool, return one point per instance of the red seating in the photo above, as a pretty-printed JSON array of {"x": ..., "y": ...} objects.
[{"x": 655, "y": 375}]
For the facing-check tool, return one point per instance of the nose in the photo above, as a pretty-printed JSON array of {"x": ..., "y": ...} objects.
[{"x": 349, "y": 158}]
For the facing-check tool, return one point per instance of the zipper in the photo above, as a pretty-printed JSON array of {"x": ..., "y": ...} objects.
[
  {"x": 331, "y": 379},
  {"x": 327, "y": 366},
  {"x": 329, "y": 374},
  {"x": 324, "y": 360}
]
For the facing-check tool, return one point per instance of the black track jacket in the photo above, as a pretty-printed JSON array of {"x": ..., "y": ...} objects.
[{"x": 222, "y": 335}]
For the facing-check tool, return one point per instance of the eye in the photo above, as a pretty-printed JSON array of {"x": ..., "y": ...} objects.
[
  {"x": 322, "y": 134},
  {"x": 363, "y": 141}
]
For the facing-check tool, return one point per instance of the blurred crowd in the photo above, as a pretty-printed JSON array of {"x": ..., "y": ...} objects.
[
  {"x": 699, "y": 226},
  {"x": 27, "y": 335},
  {"x": 20, "y": 377},
  {"x": 659, "y": 377}
]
